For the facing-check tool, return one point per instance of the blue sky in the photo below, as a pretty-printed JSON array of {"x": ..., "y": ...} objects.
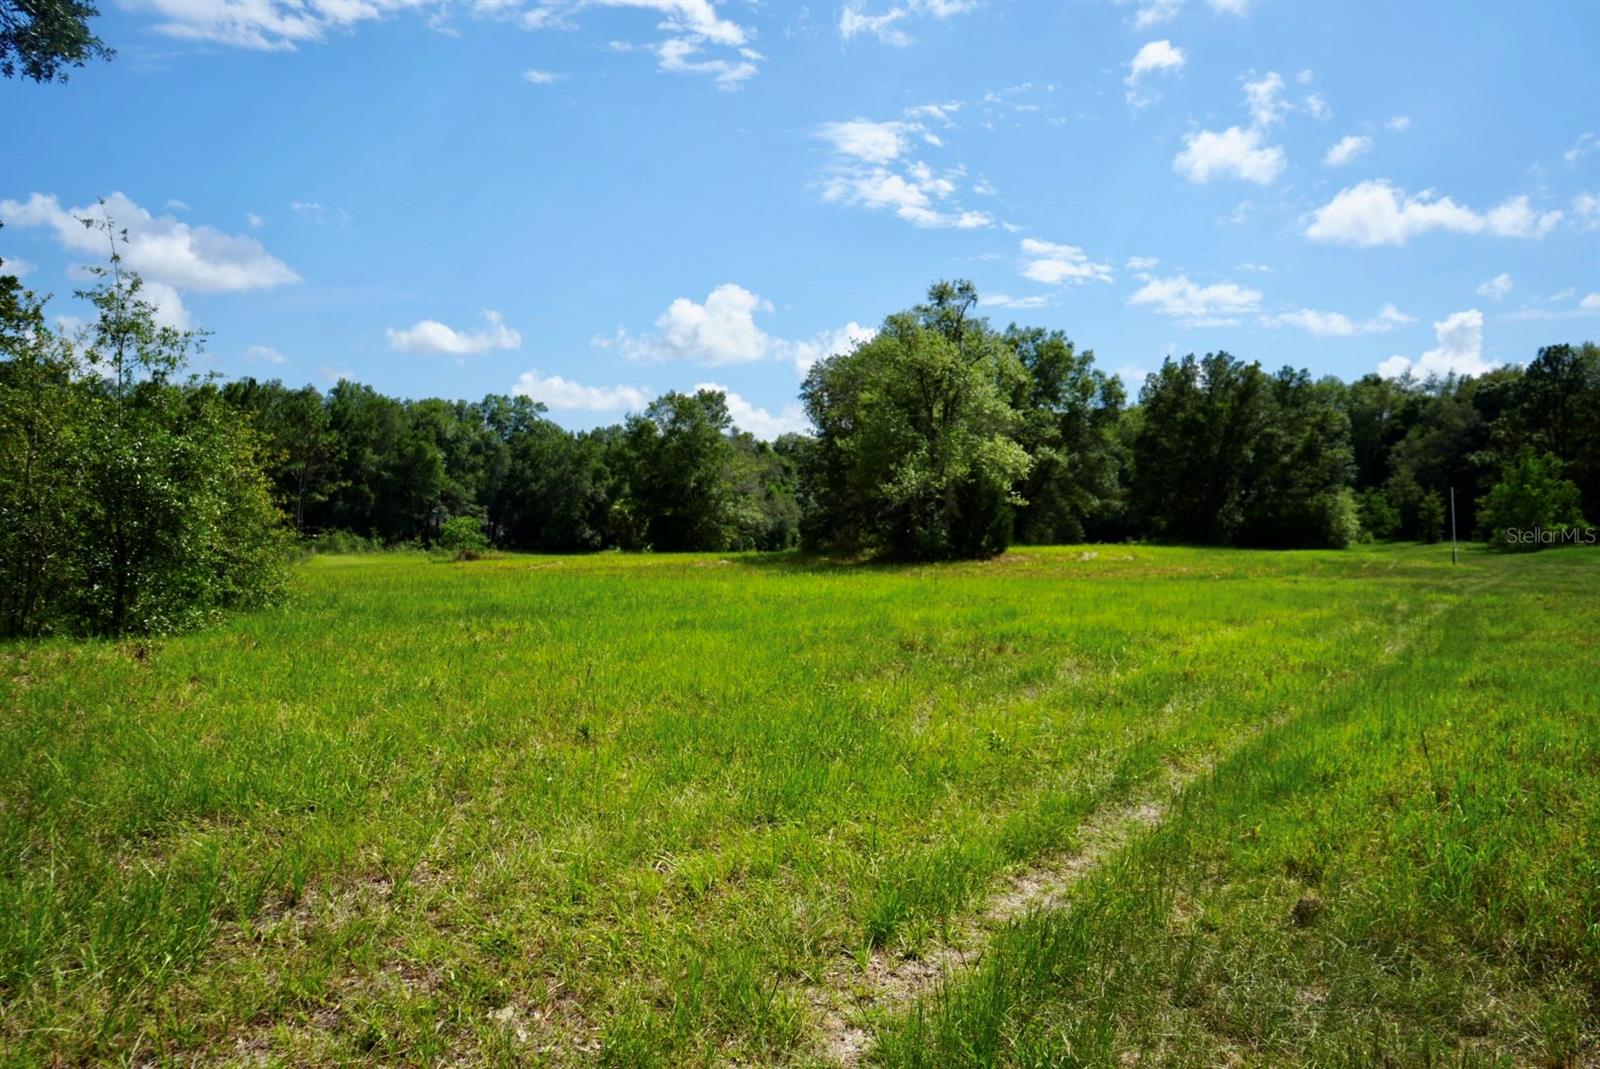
[{"x": 598, "y": 202}]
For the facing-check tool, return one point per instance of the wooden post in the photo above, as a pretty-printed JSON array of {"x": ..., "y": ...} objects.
[{"x": 1453, "y": 525}]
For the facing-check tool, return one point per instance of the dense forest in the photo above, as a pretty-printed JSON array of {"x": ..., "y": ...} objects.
[{"x": 944, "y": 436}]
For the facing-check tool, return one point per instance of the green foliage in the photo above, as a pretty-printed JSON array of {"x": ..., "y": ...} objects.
[
  {"x": 463, "y": 536},
  {"x": 679, "y": 464},
  {"x": 915, "y": 453},
  {"x": 39, "y": 38},
  {"x": 1532, "y": 503},
  {"x": 134, "y": 505},
  {"x": 1227, "y": 454}
]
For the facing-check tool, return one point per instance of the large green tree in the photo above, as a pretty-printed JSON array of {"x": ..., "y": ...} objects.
[{"x": 916, "y": 453}]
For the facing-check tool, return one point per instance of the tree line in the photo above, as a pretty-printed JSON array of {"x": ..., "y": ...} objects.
[{"x": 134, "y": 499}]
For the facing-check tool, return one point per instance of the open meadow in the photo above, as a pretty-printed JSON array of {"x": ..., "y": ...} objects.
[{"x": 1108, "y": 806}]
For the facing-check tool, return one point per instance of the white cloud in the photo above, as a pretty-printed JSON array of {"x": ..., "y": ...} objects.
[
  {"x": 1228, "y": 7},
  {"x": 169, "y": 309},
  {"x": 853, "y": 21},
  {"x": 691, "y": 29},
  {"x": 1459, "y": 352},
  {"x": 256, "y": 222},
  {"x": 175, "y": 205},
  {"x": 759, "y": 421},
  {"x": 1005, "y": 300},
  {"x": 263, "y": 25},
  {"x": 1154, "y": 58},
  {"x": 1142, "y": 263},
  {"x": 1516, "y": 219},
  {"x": 862, "y": 139},
  {"x": 432, "y": 336},
  {"x": 1153, "y": 12},
  {"x": 1590, "y": 303},
  {"x": 263, "y": 354},
  {"x": 1235, "y": 151},
  {"x": 535, "y": 76},
  {"x": 888, "y": 25},
  {"x": 308, "y": 210},
  {"x": 1585, "y": 144},
  {"x": 721, "y": 331},
  {"x": 1259, "y": 268},
  {"x": 677, "y": 54},
  {"x": 17, "y": 266},
  {"x": 1337, "y": 324},
  {"x": 1496, "y": 288},
  {"x": 1214, "y": 305},
  {"x": 912, "y": 196},
  {"x": 1399, "y": 123},
  {"x": 1053, "y": 264},
  {"x": 1586, "y": 211},
  {"x": 1264, "y": 98},
  {"x": 1375, "y": 212},
  {"x": 1346, "y": 149},
  {"x": 170, "y": 255},
  {"x": 565, "y": 395},
  {"x": 1317, "y": 107},
  {"x": 828, "y": 343}
]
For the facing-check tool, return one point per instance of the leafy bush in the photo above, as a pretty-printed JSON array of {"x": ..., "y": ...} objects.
[
  {"x": 130, "y": 504},
  {"x": 463, "y": 536},
  {"x": 1533, "y": 494}
]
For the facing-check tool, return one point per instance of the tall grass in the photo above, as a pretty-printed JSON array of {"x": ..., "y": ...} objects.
[{"x": 632, "y": 808}]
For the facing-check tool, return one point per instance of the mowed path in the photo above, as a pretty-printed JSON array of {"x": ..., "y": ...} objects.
[{"x": 657, "y": 811}]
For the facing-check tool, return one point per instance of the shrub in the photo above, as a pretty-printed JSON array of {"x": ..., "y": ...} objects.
[
  {"x": 463, "y": 536},
  {"x": 1533, "y": 492}
]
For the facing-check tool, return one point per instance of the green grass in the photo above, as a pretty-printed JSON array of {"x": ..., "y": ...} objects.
[{"x": 631, "y": 809}]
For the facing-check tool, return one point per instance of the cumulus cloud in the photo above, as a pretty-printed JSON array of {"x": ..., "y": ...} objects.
[
  {"x": 1496, "y": 288},
  {"x": 1142, "y": 263},
  {"x": 1586, "y": 211},
  {"x": 1376, "y": 212},
  {"x": 1154, "y": 12},
  {"x": 1235, "y": 152},
  {"x": 263, "y": 354},
  {"x": 562, "y": 394},
  {"x": 1346, "y": 149},
  {"x": 1156, "y": 57},
  {"x": 1459, "y": 350},
  {"x": 535, "y": 76},
  {"x": 161, "y": 248},
  {"x": 1337, "y": 324},
  {"x": 889, "y": 25},
  {"x": 1218, "y": 304},
  {"x": 17, "y": 266},
  {"x": 1053, "y": 264},
  {"x": 828, "y": 343},
  {"x": 697, "y": 40},
  {"x": 759, "y": 421},
  {"x": 915, "y": 193},
  {"x": 862, "y": 139},
  {"x": 1264, "y": 97},
  {"x": 432, "y": 336},
  {"x": 1585, "y": 144},
  {"x": 263, "y": 25},
  {"x": 721, "y": 331},
  {"x": 1399, "y": 123}
]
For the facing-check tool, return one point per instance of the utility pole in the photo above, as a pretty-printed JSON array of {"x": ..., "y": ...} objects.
[{"x": 1453, "y": 525}]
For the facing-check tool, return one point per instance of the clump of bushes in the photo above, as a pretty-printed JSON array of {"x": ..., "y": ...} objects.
[
  {"x": 463, "y": 537},
  {"x": 1532, "y": 506},
  {"x": 129, "y": 503}
]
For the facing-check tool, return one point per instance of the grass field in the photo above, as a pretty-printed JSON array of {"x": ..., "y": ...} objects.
[{"x": 750, "y": 810}]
